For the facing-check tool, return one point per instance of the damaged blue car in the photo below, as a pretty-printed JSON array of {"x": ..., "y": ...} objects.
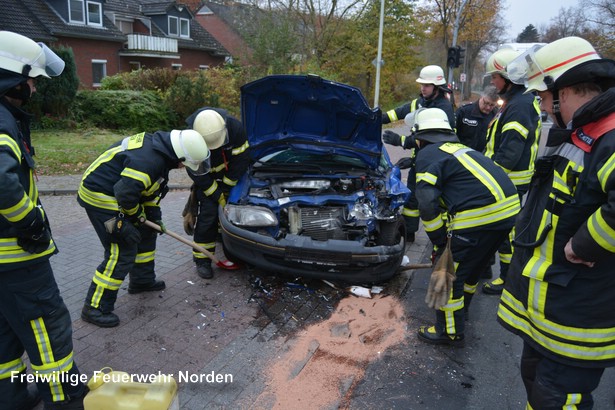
[{"x": 321, "y": 198}]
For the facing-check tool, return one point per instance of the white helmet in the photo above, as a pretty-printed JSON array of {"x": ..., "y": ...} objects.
[
  {"x": 431, "y": 74},
  {"x": 496, "y": 64},
  {"x": 430, "y": 119},
  {"x": 212, "y": 127},
  {"x": 22, "y": 55},
  {"x": 545, "y": 67},
  {"x": 191, "y": 149}
]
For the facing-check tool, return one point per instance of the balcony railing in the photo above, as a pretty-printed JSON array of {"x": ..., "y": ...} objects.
[{"x": 141, "y": 42}]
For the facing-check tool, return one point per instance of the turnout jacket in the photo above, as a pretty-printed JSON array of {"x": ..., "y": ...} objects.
[
  {"x": 19, "y": 201},
  {"x": 455, "y": 181},
  {"x": 228, "y": 162},
  {"x": 133, "y": 172},
  {"x": 440, "y": 101},
  {"x": 566, "y": 310},
  {"x": 512, "y": 138},
  {"x": 471, "y": 125}
]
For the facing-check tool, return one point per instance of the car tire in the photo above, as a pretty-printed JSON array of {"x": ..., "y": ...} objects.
[{"x": 391, "y": 232}]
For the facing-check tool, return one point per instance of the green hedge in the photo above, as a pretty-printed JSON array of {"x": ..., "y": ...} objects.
[{"x": 129, "y": 110}]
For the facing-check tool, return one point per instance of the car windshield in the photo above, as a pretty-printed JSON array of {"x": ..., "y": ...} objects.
[{"x": 307, "y": 159}]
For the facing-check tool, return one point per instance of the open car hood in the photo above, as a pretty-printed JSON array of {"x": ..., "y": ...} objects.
[{"x": 308, "y": 112}]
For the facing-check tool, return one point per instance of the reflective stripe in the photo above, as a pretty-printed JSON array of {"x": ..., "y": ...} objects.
[
  {"x": 212, "y": 188},
  {"x": 18, "y": 211},
  {"x": 137, "y": 175},
  {"x": 471, "y": 289},
  {"x": 452, "y": 306},
  {"x": 14, "y": 366},
  {"x": 392, "y": 115},
  {"x": 228, "y": 181},
  {"x": 241, "y": 149},
  {"x": 218, "y": 168},
  {"x": 550, "y": 334},
  {"x": 480, "y": 173},
  {"x": 426, "y": 177},
  {"x": 605, "y": 171},
  {"x": 488, "y": 214},
  {"x": 104, "y": 157},
  {"x": 601, "y": 231},
  {"x": 515, "y": 126},
  {"x": 434, "y": 224},
  {"x": 210, "y": 246},
  {"x": 51, "y": 373},
  {"x": 45, "y": 352},
  {"x": 12, "y": 144},
  {"x": 409, "y": 212},
  {"x": 521, "y": 177},
  {"x": 10, "y": 252},
  {"x": 98, "y": 199},
  {"x": 103, "y": 280},
  {"x": 145, "y": 257},
  {"x": 572, "y": 399}
]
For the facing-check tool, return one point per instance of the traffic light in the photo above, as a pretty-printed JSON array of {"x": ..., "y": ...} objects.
[
  {"x": 460, "y": 54},
  {"x": 452, "y": 57}
]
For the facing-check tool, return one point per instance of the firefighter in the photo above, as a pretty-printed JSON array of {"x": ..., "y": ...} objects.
[
  {"x": 512, "y": 142},
  {"x": 33, "y": 316},
  {"x": 434, "y": 94},
  {"x": 119, "y": 191},
  {"x": 228, "y": 143},
  {"x": 464, "y": 195},
  {"x": 560, "y": 293}
]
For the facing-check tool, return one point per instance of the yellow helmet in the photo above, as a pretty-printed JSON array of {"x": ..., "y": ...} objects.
[
  {"x": 543, "y": 68},
  {"x": 21, "y": 55},
  {"x": 497, "y": 62},
  {"x": 431, "y": 74},
  {"x": 191, "y": 149},
  {"x": 212, "y": 127}
]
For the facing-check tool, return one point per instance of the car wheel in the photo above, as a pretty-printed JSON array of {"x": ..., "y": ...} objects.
[
  {"x": 391, "y": 232},
  {"x": 229, "y": 255}
]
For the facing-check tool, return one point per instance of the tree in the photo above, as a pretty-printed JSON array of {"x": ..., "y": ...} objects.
[{"x": 528, "y": 35}]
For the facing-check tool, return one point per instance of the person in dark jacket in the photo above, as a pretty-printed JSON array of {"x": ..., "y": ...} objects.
[
  {"x": 434, "y": 94},
  {"x": 119, "y": 191},
  {"x": 473, "y": 119},
  {"x": 229, "y": 147},
  {"x": 512, "y": 142},
  {"x": 462, "y": 195},
  {"x": 33, "y": 316},
  {"x": 560, "y": 293}
]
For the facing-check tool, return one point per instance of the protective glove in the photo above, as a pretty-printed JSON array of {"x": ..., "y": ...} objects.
[
  {"x": 163, "y": 228},
  {"x": 36, "y": 237},
  {"x": 392, "y": 138},
  {"x": 405, "y": 163},
  {"x": 123, "y": 230},
  {"x": 138, "y": 217},
  {"x": 441, "y": 281},
  {"x": 191, "y": 211}
]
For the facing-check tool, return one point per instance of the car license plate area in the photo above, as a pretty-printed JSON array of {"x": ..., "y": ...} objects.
[{"x": 317, "y": 257}]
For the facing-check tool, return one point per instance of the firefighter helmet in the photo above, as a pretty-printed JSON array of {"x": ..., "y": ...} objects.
[
  {"x": 212, "y": 127},
  {"x": 191, "y": 149},
  {"x": 497, "y": 62},
  {"x": 564, "y": 62},
  {"x": 431, "y": 125},
  {"x": 431, "y": 74},
  {"x": 21, "y": 55}
]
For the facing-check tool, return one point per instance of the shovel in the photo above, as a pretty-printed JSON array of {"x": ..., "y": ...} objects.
[{"x": 228, "y": 265}]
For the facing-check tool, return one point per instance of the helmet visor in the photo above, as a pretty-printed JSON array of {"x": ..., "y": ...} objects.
[
  {"x": 525, "y": 68},
  {"x": 198, "y": 168},
  {"x": 54, "y": 65}
]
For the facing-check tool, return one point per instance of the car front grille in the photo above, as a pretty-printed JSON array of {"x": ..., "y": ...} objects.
[{"x": 322, "y": 224}]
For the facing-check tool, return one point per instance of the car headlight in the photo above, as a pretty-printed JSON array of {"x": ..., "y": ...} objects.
[
  {"x": 250, "y": 216},
  {"x": 362, "y": 211}
]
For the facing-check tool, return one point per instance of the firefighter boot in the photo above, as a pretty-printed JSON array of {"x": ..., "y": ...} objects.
[
  {"x": 203, "y": 268},
  {"x": 431, "y": 335},
  {"x": 495, "y": 287},
  {"x": 150, "y": 287},
  {"x": 98, "y": 317}
]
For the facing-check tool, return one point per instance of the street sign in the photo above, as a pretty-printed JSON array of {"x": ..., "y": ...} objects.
[{"x": 462, "y": 77}]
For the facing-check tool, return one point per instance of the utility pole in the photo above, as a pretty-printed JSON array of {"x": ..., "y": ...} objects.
[
  {"x": 455, "y": 32},
  {"x": 378, "y": 62}
]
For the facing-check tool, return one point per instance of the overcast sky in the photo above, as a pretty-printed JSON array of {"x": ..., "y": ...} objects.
[{"x": 520, "y": 13}]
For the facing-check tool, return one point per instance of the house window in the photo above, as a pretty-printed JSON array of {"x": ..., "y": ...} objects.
[
  {"x": 179, "y": 27},
  {"x": 176, "y": 67},
  {"x": 134, "y": 65},
  {"x": 94, "y": 14},
  {"x": 203, "y": 67},
  {"x": 184, "y": 28},
  {"x": 99, "y": 71},
  {"x": 76, "y": 11},
  {"x": 124, "y": 26},
  {"x": 173, "y": 26}
]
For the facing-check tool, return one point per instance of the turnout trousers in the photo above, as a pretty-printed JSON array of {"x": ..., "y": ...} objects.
[
  {"x": 472, "y": 252},
  {"x": 120, "y": 259},
  {"x": 554, "y": 386},
  {"x": 206, "y": 229},
  {"x": 35, "y": 320}
]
